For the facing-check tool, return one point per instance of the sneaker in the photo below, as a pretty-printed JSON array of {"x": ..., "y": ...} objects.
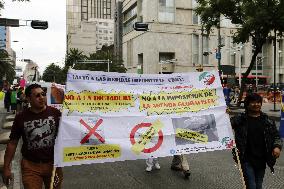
[
  {"x": 149, "y": 168},
  {"x": 157, "y": 166},
  {"x": 186, "y": 174}
]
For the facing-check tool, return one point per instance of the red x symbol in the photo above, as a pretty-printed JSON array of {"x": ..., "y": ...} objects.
[{"x": 92, "y": 131}]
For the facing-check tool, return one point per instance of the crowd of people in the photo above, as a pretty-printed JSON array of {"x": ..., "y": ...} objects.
[
  {"x": 257, "y": 141},
  {"x": 14, "y": 99}
]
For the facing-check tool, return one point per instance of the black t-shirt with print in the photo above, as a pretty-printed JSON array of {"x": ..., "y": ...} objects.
[{"x": 38, "y": 131}]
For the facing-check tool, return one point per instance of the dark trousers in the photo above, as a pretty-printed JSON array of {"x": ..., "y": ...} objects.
[{"x": 253, "y": 177}]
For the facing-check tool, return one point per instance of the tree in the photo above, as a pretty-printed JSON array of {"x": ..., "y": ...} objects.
[
  {"x": 106, "y": 53},
  {"x": 6, "y": 68},
  {"x": 53, "y": 73},
  {"x": 72, "y": 57},
  {"x": 257, "y": 20}
]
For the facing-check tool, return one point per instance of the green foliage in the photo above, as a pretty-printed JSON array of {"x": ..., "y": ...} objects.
[
  {"x": 6, "y": 68},
  {"x": 257, "y": 20},
  {"x": 53, "y": 73},
  {"x": 106, "y": 53}
]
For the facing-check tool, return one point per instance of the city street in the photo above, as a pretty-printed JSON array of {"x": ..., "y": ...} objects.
[{"x": 210, "y": 170}]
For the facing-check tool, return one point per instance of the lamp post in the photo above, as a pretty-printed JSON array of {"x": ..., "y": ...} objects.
[{"x": 274, "y": 72}]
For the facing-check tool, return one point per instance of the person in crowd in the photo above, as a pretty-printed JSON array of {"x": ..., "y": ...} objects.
[
  {"x": 180, "y": 163},
  {"x": 38, "y": 127},
  {"x": 152, "y": 162},
  {"x": 7, "y": 99},
  {"x": 20, "y": 97},
  {"x": 227, "y": 91},
  {"x": 257, "y": 140},
  {"x": 14, "y": 100}
]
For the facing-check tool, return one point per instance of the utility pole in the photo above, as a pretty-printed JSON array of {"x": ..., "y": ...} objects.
[
  {"x": 219, "y": 47},
  {"x": 274, "y": 71},
  {"x": 202, "y": 30}
]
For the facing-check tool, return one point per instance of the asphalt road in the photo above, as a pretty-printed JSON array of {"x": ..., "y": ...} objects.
[{"x": 210, "y": 170}]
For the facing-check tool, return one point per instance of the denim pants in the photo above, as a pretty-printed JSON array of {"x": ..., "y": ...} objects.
[
  {"x": 34, "y": 175},
  {"x": 181, "y": 162},
  {"x": 253, "y": 177}
]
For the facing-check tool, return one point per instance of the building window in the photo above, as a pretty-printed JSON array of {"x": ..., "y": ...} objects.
[
  {"x": 166, "y": 11},
  {"x": 129, "y": 18},
  {"x": 195, "y": 50},
  {"x": 105, "y": 24},
  {"x": 195, "y": 17},
  {"x": 105, "y": 31}
]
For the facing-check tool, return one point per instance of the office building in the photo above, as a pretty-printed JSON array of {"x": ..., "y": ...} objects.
[
  {"x": 83, "y": 18},
  {"x": 176, "y": 42}
]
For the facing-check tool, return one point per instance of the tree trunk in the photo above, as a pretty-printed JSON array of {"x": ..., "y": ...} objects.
[{"x": 252, "y": 62}]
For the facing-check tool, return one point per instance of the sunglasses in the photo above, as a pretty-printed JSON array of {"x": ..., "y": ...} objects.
[{"x": 40, "y": 94}]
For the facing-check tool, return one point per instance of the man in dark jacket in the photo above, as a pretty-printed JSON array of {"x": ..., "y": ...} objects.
[{"x": 258, "y": 141}]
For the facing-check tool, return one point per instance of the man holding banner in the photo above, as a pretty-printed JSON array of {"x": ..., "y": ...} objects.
[
  {"x": 258, "y": 141},
  {"x": 38, "y": 128}
]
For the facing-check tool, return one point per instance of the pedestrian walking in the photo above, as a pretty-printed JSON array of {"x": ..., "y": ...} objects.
[
  {"x": 152, "y": 163},
  {"x": 37, "y": 126},
  {"x": 20, "y": 98},
  {"x": 7, "y": 99},
  {"x": 257, "y": 140},
  {"x": 180, "y": 163},
  {"x": 14, "y": 100}
]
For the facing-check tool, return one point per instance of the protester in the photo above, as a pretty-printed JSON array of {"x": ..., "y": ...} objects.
[
  {"x": 152, "y": 162},
  {"x": 20, "y": 98},
  {"x": 7, "y": 99},
  {"x": 14, "y": 100},
  {"x": 227, "y": 91},
  {"x": 180, "y": 163},
  {"x": 258, "y": 141},
  {"x": 38, "y": 126}
]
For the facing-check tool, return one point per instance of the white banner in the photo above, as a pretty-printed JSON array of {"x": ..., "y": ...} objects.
[{"x": 114, "y": 120}]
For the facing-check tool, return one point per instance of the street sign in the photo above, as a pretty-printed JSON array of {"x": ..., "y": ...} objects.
[{"x": 218, "y": 55}]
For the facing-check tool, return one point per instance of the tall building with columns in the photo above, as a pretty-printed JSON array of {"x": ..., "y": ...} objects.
[{"x": 176, "y": 42}]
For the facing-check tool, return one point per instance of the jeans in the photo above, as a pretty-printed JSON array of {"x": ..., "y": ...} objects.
[
  {"x": 34, "y": 175},
  {"x": 181, "y": 162},
  {"x": 253, "y": 177}
]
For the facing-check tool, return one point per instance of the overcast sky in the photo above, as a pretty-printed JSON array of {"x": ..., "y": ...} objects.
[{"x": 42, "y": 46}]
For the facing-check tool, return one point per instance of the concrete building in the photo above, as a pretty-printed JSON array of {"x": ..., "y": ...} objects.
[
  {"x": 175, "y": 41},
  {"x": 118, "y": 29},
  {"x": 5, "y": 43},
  {"x": 104, "y": 32},
  {"x": 83, "y": 24}
]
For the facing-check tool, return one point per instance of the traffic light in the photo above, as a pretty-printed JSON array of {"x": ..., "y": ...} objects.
[
  {"x": 38, "y": 24},
  {"x": 140, "y": 26}
]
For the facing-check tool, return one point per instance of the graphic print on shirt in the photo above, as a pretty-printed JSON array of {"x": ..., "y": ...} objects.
[{"x": 40, "y": 133}]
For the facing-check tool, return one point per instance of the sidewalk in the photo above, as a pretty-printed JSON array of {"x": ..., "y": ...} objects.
[{"x": 16, "y": 181}]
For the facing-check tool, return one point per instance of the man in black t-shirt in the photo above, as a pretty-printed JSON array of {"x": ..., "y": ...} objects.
[
  {"x": 37, "y": 126},
  {"x": 258, "y": 141}
]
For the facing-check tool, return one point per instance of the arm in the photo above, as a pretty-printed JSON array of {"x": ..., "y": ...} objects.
[
  {"x": 9, "y": 155},
  {"x": 277, "y": 142}
]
